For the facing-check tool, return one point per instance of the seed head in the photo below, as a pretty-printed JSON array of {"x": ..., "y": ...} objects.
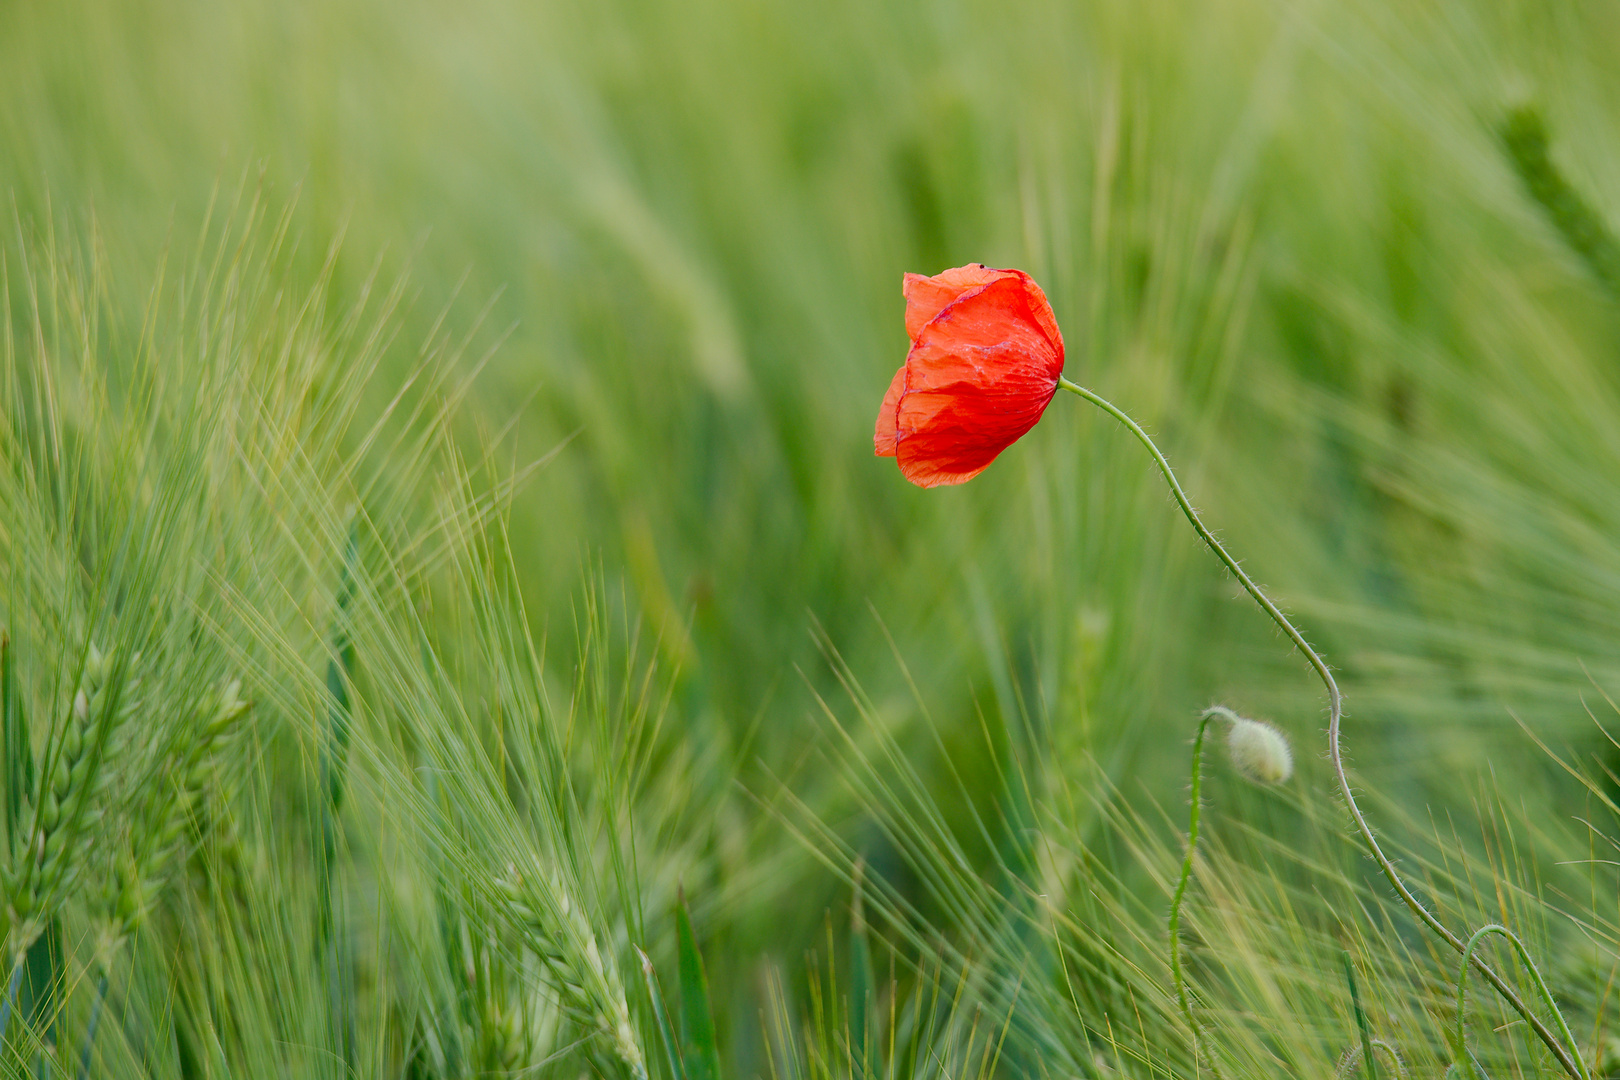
[{"x": 1259, "y": 751}]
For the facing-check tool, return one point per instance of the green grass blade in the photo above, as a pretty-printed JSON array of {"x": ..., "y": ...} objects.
[
  {"x": 862, "y": 988},
  {"x": 19, "y": 764},
  {"x": 334, "y": 759},
  {"x": 698, "y": 1050},
  {"x": 1369, "y": 1062},
  {"x": 666, "y": 1033},
  {"x": 339, "y": 670},
  {"x": 38, "y": 1001},
  {"x": 1524, "y": 134}
]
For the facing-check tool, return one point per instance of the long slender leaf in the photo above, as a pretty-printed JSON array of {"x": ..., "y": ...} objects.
[
  {"x": 863, "y": 1046},
  {"x": 698, "y": 1050},
  {"x": 14, "y": 743},
  {"x": 666, "y": 1034}
]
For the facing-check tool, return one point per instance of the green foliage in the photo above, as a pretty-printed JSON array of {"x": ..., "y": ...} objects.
[
  {"x": 1524, "y": 134},
  {"x": 1369, "y": 1061},
  {"x": 699, "y": 1054},
  {"x": 437, "y": 519}
]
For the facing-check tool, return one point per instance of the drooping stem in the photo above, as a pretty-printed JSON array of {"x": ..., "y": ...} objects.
[
  {"x": 1568, "y": 1058},
  {"x": 1176, "y": 972}
]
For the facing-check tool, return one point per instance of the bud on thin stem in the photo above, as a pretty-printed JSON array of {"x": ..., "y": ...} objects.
[{"x": 1259, "y": 752}]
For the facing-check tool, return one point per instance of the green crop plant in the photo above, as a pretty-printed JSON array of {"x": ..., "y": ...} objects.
[{"x": 452, "y": 624}]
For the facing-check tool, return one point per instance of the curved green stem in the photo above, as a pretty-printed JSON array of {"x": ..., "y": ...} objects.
[
  {"x": 1176, "y": 972},
  {"x": 1535, "y": 976},
  {"x": 1347, "y": 1060},
  {"x": 1568, "y": 1058},
  {"x": 1394, "y": 1056}
]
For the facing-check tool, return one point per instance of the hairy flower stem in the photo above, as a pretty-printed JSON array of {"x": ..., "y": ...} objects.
[
  {"x": 1176, "y": 972},
  {"x": 1569, "y": 1058}
]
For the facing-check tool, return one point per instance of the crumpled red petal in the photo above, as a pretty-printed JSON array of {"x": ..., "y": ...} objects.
[
  {"x": 884, "y": 438},
  {"x": 926, "y": 297},
  {"x": 983, "y": 367}
]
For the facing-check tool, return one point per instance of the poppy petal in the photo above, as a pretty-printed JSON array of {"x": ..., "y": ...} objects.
[
  {"x": 949, "y": 438},
  {"x": 926, "y": 297},
  {"x": 1003, "y": 317},
  {"x": 985, "y": 359},
  {"x": 883, "y": 439},
  {"x": 1041, "y": 312},
  {"x": 979, "y": 376}
]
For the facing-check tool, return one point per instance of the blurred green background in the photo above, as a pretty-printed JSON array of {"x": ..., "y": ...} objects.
[{"x": 1293, "y": 239}]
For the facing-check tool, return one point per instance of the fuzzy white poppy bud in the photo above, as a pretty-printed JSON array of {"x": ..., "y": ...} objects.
[{"x": 1259, "y": 751}]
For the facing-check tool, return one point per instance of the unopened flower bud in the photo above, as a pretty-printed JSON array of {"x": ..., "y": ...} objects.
[{"x": 1259, "y": 751}]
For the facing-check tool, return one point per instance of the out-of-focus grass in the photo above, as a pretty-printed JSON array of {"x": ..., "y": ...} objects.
[{"x": 1291, "y": 239}]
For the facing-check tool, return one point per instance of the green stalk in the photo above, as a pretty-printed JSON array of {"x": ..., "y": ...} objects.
[
  {"x": 1369, "y": 1062},
  {"x": 11, "y": 995},
  {"x": 1524, "y": 135},
  {"x": 333, "y": 767},
  {"x": 19, "y": 756},
  {"x": 95, "y": 1021},
  {"x": 1177, "y": 974},
  {"x": 862, "y": 988},
  {"x": 1568, "y": 1058}
]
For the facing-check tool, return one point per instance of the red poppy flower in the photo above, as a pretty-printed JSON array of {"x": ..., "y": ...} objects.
[{"x": 984, "y": 363}]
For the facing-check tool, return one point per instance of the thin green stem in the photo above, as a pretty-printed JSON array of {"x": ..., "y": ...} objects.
[
  {"x": 1176, "y": 973},
  {"x": 1568, "y": 1058},
  {"x": 90, "y": 1029},
  {"x": 1535, "y": 976},
  {"x": 1368, "y": 1061},
  {"x": 11, "y": 993}
]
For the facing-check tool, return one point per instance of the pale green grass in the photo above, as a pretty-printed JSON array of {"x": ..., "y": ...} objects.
[{"x": 300, "y": 295}]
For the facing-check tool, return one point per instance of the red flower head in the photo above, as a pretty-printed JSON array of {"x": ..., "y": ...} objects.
[{"x": 984, "y": 363}]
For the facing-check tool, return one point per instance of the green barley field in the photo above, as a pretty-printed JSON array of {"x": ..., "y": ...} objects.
[{"x": 455, "y": 624}]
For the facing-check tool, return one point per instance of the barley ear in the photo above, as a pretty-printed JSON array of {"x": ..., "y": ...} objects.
[{"x": 552, "y": 925}]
